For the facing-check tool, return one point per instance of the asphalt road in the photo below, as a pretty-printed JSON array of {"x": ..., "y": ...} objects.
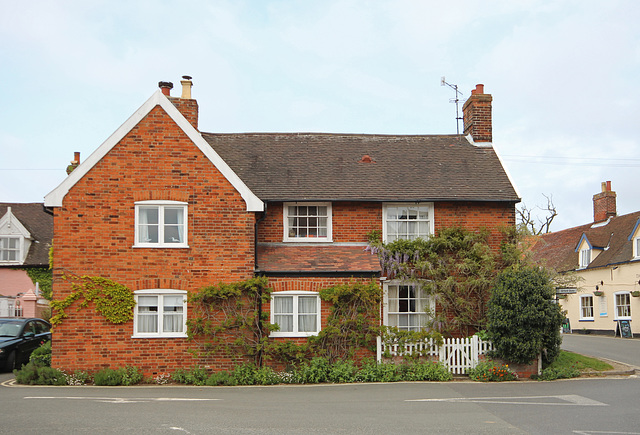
[{"x": 626, "y": 350}]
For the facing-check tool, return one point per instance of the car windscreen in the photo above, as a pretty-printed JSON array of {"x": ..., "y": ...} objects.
[{"x": 10, "y": 328}]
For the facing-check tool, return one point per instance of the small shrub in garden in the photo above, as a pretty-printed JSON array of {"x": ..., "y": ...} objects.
[
  {"x": 551, "y": 374},
  {"x": 35, "y": 374},
  {"x": 317, "y": 371},
  {"x": 425, "y": 371},
  {"x": 245, "y": 374},
  {"x": 78, "y": 377},
  {"x": 342, "y": 372},
  {"x": 131, "y": 375},
  {"x": 194, "y": 376},
  {"x": 42, "y": 355},
  {"x": 488, "y": 371},
  {"x": 266, "y": 376},
  {"x": 221, "y": 378},
  {"x": 108, "y": 377}
]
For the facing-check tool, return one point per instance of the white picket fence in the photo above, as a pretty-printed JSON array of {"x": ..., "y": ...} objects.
[{"x": 457, "y": 354}]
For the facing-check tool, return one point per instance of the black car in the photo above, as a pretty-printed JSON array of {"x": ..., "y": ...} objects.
[{"x": 18, "y": 338}]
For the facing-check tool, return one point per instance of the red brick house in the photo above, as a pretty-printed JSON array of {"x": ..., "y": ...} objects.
[{"x": 165, "y": 209}]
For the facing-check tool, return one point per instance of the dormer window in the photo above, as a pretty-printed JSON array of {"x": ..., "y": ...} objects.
[
  {"x": 636, "y": 247},
  {"x": 585, "y": 258},
  {"x": 10, "y": 249}
]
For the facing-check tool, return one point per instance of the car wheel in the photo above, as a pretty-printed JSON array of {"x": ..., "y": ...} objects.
[{"x": 10, "y": 364}]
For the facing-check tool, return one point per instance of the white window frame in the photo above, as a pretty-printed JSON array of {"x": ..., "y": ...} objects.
[
  {"x": 429, "y": 220},
  {"x": 313, "y": 239},
  {"x": 636, "y": 247},
  {"x": 160, "y": 293},
  {"x": 585, "y": 258},
  {"x": 161, "y": 205},
  {"x": 427, "y": 315},
  {"x": 616, "y": 305},
  {"x": 295, "y": 314},
  {"x": 583, "y": 307},
  {"x": 5, "y": 249}
]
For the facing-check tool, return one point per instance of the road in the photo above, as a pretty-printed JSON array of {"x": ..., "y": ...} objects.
[
  {"x": 584, "y": 406},
  {"x": 626, "y": 350}
]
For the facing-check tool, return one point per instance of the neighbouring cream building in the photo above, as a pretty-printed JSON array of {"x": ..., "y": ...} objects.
[{"x": 605, "y": 257}]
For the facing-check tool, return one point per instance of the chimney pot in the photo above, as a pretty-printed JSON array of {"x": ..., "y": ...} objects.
[
  {"x": 186, "y": 87},
  {"x": 165, "y": 87},
  {"x": 604, "y": 203},
  {"x": 476, "y": 113}
]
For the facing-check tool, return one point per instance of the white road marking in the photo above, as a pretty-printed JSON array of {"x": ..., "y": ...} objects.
[
  {"x": 123, "y": 399},
  {"x": 589, "y": 432},
  {"x": 562, "y": 400}
]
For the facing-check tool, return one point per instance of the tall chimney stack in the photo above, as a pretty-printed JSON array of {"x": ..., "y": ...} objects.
[
  {"x": 165, "y": 87},
  {"x": 476, "y": 113},
  {"x": 604, "y": 203},
  {"x": 185, "y": 104}
]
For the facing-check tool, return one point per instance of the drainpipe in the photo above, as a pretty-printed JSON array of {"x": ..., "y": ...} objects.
[{"x": 255, "y": 268}]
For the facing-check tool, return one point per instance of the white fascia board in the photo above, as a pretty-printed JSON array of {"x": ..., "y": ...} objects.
[
  {"x": 10, "y": 219},
  {"x": 55, "y": 197},
  {"x": 506, "y": 169}
]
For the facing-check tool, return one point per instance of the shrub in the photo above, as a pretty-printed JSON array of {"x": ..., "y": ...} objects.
[
  {"x": 194, "y": 376},
  {"x": 425, "y": 371},
  {"x": 343, "y": 371},
  {"x": 42, "y": 355},
  {"x": 551, "y": 373},
  {"x": 245, "y": 374},
  {"x": 36, "y": 374},
  {"x": 78, "y": 377},
  {"x": 488, "y": 371},
  {"x": 266, "y": 376},
  {"x": 128, "y": 375},
  {"x": 523, "y": 320},
  {"x": 371, "y": 371},
  {"x": 315, "y": 372},
  {"x": 221, "y": 378}
]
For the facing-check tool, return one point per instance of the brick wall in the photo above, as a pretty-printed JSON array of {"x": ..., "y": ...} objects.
[{"x": 94, "y": 235}]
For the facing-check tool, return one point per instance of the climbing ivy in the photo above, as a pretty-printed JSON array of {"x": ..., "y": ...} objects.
[
  {"x": 42, "y": 275},
  {"x": 457, "y": 267},
  {"x": 112, "y": 300}
]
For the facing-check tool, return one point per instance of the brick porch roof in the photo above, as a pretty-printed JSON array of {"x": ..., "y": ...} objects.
[
  {"x": 289, "y": 258},
  {"x": 318, "y": 166}
]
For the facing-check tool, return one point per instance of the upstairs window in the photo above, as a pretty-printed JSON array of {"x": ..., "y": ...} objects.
[
  {"x": 161, "y": 224},
  {"x": 160, "y": 313},
  {"x": 585, "y": 258},
  {"x": 586, "y": 307},
  {"x": 636, "y": 247},
  {"x": 10, "y": 251},
  {"x": 407, "y": 221},
  {"x": 296, "y": 313},
  {"x": 308, "y": 222},
  {"x": 408, "y": 307}
]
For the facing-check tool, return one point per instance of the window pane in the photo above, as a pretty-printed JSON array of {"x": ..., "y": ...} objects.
[
  {"x": 307, "y": 304},
  {"x": 307, "y": 323},
  {"x": 392, "y": 213},
  {"x": 283, "y": 304},
  {"x": 148, "y": 215},
  {"x": 173, "y": 215},
  {"x": 285, "y": 322},
  {"x": 147, "y": 314},
  {"x": 148, "y": 225}
]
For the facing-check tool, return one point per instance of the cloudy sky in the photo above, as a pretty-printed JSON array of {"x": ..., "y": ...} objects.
[{"x": 564, "y": 76}]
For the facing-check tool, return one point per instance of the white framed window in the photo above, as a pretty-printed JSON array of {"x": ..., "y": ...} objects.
[
  {"x": 160, "y": 313},
  {"x": 308, "y": 222},
  {"x": 161, "y": 224},
  {"x": 10, "y": 249},
  {"x": 586, "y": 307},
  {"x": 623, "y": 305},
  {"x": 407, "y": 221},
  {"x": 636, "y": 247},
  {"x": 407, "y": 306},
  {"x": 585, "y": 258},
  {"x": 296, "y": 313}
]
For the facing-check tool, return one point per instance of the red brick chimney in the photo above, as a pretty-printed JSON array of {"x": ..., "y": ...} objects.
[
  {"x": 477, "y": 115},
  {"x": 604, "y": 203},
  {"x": 185, "y": 104}
]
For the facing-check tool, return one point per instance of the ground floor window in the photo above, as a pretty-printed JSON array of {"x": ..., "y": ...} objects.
[
  {"x": 296, "y": 313},
  {"x": 586, "y": 307},
  {"x": 160, "y": 313},
  {"x": 407, "y": 306},
  {"x": 623, "y": 305}
]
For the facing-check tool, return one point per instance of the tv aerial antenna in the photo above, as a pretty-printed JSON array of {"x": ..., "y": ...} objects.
[{"x": 456, "y": 100}]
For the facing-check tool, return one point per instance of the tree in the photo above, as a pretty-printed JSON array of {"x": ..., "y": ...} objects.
[
  {"x": 523, "y": 320},
  {"x": 528, "y": 224}
]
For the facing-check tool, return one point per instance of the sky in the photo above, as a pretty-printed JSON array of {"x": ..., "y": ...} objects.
[{"x": 564, "y": 76}]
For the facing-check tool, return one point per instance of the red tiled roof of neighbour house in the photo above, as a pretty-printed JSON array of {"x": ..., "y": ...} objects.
[
  {"x": 359, "y": 167},
  {"x": 39, "y": 223},
  {"x": 296, "y": 258},
  {"x": 557, "y": 250}
]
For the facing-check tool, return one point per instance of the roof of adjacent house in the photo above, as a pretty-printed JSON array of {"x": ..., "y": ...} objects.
[
  {"x": 39, "y": 223},
  {"x": 364, "y": 167},
  {"x": 558, "y": 250}
]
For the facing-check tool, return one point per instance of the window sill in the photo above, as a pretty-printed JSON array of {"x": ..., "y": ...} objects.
[
  {"x": 586, "y": 320},
  {"x": 165, "y": 246},
  {"x": 160, "y": 336},
  {"x": 293, "y": 334},
  {"x": 307, "y": 240}
]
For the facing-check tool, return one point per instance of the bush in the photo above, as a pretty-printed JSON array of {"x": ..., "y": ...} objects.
[
  {"x": 221, "y": 378},
  {"x": 342, "y": 372},
  {"x": 425, "y": 371},
  {"x": 121, "y": 376},
  {"x": 551, "y": 373},
  {"x": 194, "y": 376},
  {"x": 78, "y": 377},
  {"x": 488, "y": 371},
  {"x": 523, "y": 320},
  {"x": 42, "y": 355},
  {"x": 36, "y": 374},
  {"x": 371, "y": 371},
  {"x": 244, "y": 374}
]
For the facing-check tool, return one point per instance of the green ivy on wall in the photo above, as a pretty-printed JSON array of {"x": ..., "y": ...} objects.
[
  {"x": 42, "y": 275},
  {"x": 114, "y": 301}
]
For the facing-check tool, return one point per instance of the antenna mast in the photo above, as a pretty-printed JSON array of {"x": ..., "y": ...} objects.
[{"x": 456, "y": 100}]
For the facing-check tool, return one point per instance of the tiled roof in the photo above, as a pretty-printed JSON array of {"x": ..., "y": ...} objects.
[
  {"x": 557, "y": 250},
  {"x": 316, "y": 166},
  {"x": 292, "y": 258},
  {"x": 39, "y": 223}
]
